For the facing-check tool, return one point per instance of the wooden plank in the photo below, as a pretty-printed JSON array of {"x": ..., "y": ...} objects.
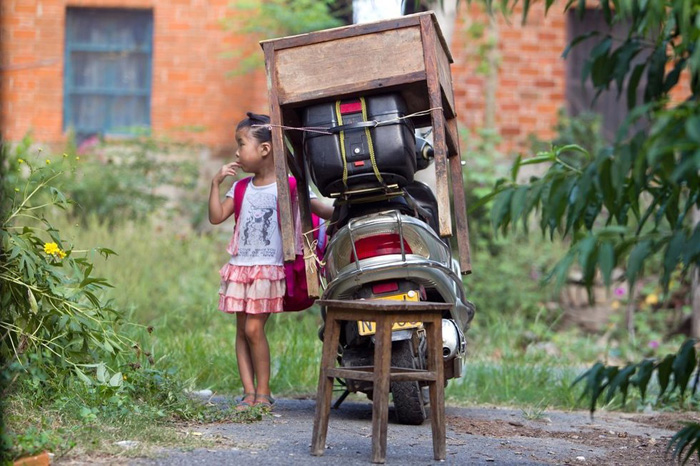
[
  {"x": 380, "y": 397},
  {"x": 278, "y": 152},
  {"x": 324, "y": 394},
  {"x": 452, "y": 134},
  {"x": 326, "y": 90},
  {"x": 367, "y": 373},
  {"x": 439, "y": 144},
  {"x": 445, "y": 78},
  {"x": 437, "y": 391},
  {"x": 460, "y": 205},
  {"x": 322, "y": 68},
  {"x": 383, "y": 305},
  {"x": 343, "y": 32}
]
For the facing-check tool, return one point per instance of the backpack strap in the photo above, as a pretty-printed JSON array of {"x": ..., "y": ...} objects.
[{"x": 238, "y": 194}]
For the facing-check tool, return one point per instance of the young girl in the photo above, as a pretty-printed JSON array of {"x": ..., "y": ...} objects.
[{"x": 252, "y": 282}]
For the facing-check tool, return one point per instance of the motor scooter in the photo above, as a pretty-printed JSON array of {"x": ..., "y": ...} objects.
[{"x": 384, "y": 244}]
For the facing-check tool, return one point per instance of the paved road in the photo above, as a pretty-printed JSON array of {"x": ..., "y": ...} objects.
[{"x": 285, "y": 437}]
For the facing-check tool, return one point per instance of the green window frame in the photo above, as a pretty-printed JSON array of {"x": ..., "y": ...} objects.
[{"x": 108, "y": 71}]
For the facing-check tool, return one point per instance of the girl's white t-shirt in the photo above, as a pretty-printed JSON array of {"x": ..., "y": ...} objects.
[{"x": 259, "y": 237}]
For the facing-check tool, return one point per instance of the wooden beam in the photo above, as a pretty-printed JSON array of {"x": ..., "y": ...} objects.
[
  {"x": 278, "y": 152},
  {"x": 460, "y": 204},
  {"x": 439, "y": 143}
]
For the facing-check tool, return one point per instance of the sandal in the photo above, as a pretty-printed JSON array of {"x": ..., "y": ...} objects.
[
  {"x": 264, "y": 401},
  {"x": 242, "y": 404},
  {"x": 239, "y": 399}
]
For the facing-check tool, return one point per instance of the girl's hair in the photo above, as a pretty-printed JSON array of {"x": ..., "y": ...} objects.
[{"x": 259, "y": 126}]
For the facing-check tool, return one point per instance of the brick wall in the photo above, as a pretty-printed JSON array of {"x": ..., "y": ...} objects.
[
  {"x": 530, "y": 76},
  {"x": 190, "y": 84}
]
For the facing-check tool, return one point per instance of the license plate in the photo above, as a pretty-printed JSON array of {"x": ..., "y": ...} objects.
[{"x": 370, "y": 328}]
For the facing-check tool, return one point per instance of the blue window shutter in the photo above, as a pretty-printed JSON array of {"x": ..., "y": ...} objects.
[{"x": 107, "y": 73}]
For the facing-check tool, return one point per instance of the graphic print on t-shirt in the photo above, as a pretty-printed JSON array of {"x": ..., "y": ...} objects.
[{"x": 259, "y": 226}]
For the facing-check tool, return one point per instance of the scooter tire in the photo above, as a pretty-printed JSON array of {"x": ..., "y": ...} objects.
[{"x": 409, "y": 404}]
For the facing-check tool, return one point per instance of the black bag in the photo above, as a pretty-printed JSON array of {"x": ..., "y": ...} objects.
[{"x": 371, "y": 146}]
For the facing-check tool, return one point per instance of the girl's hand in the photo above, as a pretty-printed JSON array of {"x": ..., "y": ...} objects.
[{"x": 230, "y": 169}]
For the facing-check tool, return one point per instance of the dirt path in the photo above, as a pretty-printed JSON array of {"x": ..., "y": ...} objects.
[{"x": 475, "y": 435}]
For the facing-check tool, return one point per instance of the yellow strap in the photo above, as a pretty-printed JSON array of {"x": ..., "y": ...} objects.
[
  {"x": 369, "y": 143},
  {"x": 342, "y": 143}
]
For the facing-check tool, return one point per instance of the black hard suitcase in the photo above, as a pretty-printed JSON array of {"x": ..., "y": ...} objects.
[{"x": 371, "y": 146}]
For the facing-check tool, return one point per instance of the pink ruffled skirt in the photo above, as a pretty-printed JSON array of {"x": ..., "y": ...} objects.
[{"x": 256, "y": 289}]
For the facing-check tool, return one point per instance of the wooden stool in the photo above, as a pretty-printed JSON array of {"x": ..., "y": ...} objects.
[{"x": 385, "y": 314}]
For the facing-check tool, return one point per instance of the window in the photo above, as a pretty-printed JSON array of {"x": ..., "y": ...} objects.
[
  {"x": 579, "y": 96},
  {"x": 107, "y": 73}
]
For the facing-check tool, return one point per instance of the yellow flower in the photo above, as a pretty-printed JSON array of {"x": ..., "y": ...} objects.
[
  {"x": 20, "y": 160},
  {"x": 51, "y": 248},
  {"x": 48, "y": 162},
  {"x": 615, "y": 305},
  {"x": 77, "y": 158},
  {"x": 651, "y": 299},
  {"x": 65, "y": 155}
]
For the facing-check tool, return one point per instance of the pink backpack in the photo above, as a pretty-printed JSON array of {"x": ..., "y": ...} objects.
[{"x": 297, "y": 296}]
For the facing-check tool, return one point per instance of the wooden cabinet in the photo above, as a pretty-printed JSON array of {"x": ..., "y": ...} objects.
[{"x": 407, "y": 55}]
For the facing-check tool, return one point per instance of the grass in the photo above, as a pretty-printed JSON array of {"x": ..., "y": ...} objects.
[
  {"x": 165, "y": 279},
  {"x": 168, "y": 280}
]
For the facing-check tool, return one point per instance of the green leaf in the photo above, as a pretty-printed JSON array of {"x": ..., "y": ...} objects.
[
  {"x": 664, "y": 370},
  {"x": 655, "y": 73},
  {"x": 621, "y": 381},
  {"x": 500, "y": 212},
  {"x": 578, "y": 40},
  {"x": 540, "y": 158},
  {"x": 606, "y": 261},
  {"x": 607, "y": 14},
  {"x": 116, "y": 380},
  {"x": 32, "y": 301},
  {"x": 673, "y": 255},
  {"x": 515, "y": 169},
  {"x": 586, "y": 249},
  {"x": 101, "y": 373},
  {"x": 518, "y": 202},
  {"x": 688, "y": 436},
  {"x": 633, "y": 84},
  {"x": 641, "y": 379},
  {"x": 692, "y": 128},
  {"x": 620, "y": 61},
  {"x": 81, "y": 375},
  {"x": 595, "y": 385},
  {"x": 637, "y": 257},
  {"x": 683, "y": 366}
]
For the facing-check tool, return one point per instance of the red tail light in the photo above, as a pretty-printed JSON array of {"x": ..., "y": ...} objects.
[{"x": 379, "y": 245}]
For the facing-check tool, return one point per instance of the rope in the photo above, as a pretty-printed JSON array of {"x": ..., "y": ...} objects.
[
  {"x": 326, "y": 130},
  {"x": 311, "y": 245}
]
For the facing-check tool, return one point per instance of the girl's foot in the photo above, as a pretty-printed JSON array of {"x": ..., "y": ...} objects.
[
  {"x": 264, "y": 401},
  {"x": 247, "y": 401}
]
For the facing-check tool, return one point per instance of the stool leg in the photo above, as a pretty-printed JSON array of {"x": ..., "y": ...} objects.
[
  {"x": 331, "y": 337},
  {"x": 380, "y": 395},
  {"x": 437, "y": 389}
]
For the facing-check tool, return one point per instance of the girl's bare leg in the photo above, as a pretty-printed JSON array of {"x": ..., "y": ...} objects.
[
  {"x": 243, "y": 356},
  {"x": 259, "y": 350}
]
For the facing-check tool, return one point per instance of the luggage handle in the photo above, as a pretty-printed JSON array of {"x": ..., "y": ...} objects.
[{"x": 354, "y": 126}]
